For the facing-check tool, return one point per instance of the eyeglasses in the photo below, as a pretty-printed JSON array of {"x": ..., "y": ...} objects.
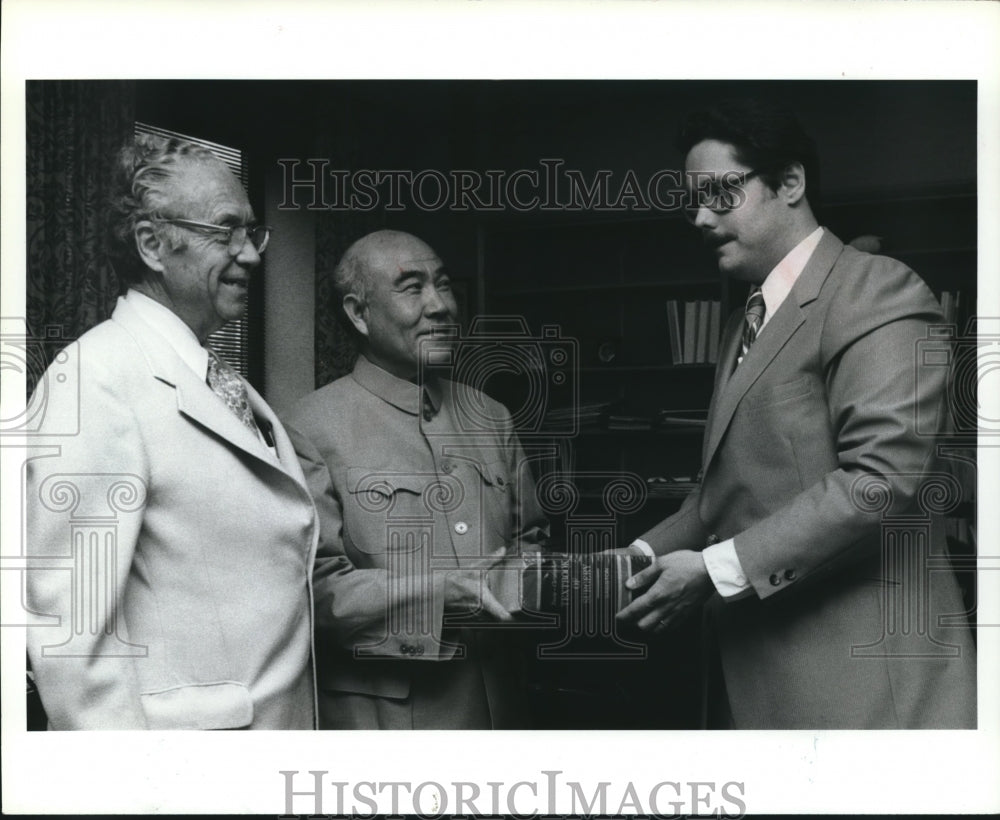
[
  {"x": 235, "y": 236},
  {"x": 718, "y": 194}
]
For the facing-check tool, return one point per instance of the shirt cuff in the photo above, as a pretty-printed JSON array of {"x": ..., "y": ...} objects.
[
  {"x": 725, "y": 570},
  {"x": 644, "y": 548}
]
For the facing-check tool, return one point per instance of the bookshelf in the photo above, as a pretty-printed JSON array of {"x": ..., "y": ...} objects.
[
  {"x": 606, "y": 284},
  {"x": 639, "y": 412}
]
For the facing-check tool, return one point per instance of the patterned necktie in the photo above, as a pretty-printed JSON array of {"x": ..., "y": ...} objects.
[
  {"x": 229, "y": 387},
  {"x": 752, "y": 321}
]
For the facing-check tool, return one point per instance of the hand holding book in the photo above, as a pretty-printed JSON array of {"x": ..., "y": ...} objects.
[{"x": 554, "y": 582}]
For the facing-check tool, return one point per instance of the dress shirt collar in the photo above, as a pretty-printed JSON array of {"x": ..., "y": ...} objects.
[
  {"x": 400, "y": 393},
  {"x": 172, "y": 328},
  {"x": 779, "y": 281}
]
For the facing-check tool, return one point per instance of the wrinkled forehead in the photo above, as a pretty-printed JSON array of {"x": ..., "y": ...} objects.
[
  {"x": 207, "y": 189},
  {"x": 403, "y": 255}
]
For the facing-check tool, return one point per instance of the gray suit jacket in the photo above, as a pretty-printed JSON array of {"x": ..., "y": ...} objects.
[
  {"x": 814, "y": 461},
  {"x": 190, "y": 545}
]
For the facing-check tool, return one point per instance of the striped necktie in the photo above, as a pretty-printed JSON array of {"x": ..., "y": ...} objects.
[
  {"x": 752, "y": 321},
  {"x": 228, "y": 386}
]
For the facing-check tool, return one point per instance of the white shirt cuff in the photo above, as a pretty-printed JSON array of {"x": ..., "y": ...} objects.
[
  {"x": 643, "y": 547},
  {"x": 725, "y": 570}
]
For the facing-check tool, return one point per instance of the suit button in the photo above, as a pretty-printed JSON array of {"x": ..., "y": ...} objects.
[
  {"x": 406, "y": 649},
  {"x": 501, "y": 482},
  {"x": 446, "y": 467},
  {"x": 713, "y": 539},
  {"x": 775, "y": 580},
  {"x": 418, "y": 650},
  {"x": 790, "y": 575},
  {"x": 461, "y": 527}
]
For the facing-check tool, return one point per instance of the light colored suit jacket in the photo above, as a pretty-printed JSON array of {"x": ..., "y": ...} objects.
[
  {"x": 818, "y": 462},
  {"x": 181, "y": 550},
  {"x": 403, "y": 498}
]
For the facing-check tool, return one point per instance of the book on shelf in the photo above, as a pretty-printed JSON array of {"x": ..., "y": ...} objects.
[
  {"x": 621, "y": 421},
  {"x": 682, "y": 418},
  {"x": 693, "y": 329},
  {"x": 559, "y": 582},
  {"x": 714, "y": 331},
  {"x": 588, "y": 415},
  {"x": 674, "y": 329},
  {"x": 701, "y": 331},
  {"x": 690, "y": 331}
]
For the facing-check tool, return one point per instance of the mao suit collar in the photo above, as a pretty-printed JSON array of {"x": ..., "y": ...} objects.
[
  {"x": 401, "y": 394},
  {"x": 732, "y": 385}
]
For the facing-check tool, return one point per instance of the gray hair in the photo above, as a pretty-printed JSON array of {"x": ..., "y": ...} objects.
[{"x": 144, "y": 167}]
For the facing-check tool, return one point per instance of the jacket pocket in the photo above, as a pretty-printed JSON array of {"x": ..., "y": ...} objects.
[
  {"x": 771, "y": 394},
  {"x": 219, "y": 705}
]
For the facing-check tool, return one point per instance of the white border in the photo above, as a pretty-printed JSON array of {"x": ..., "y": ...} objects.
[{"x": 237, "y": 772}]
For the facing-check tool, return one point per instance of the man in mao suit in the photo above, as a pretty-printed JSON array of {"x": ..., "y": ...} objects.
[
  {"x": 416, "y": 499},
  {"x": 200, "y": 615},
  {"x": 812, "y": 439}
]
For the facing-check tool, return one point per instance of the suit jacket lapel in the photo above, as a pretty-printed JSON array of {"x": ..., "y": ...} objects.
[
  {"x": 775, "y": 335},
  {"x": 195, "y": 398}
]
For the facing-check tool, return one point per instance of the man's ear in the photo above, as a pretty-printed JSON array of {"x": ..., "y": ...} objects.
[
  {"x": 793, "y": 183},
  {"x": 354, "y": 308},
  {"x": 149, "y": 246}
]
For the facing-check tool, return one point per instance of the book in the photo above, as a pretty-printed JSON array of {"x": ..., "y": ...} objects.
[
  {"x": 690, "y": 331},
  {"x": 558, "y": 582},
  {"x": 714, "y": 331},
  {"x": 701, "y": 332},
  {"x": 674, "y": 332}
]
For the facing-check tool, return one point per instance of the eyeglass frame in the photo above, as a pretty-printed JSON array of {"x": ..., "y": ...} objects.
[
  {"x": 691, "y": 210},
  {"x": 230, "y": 230}
]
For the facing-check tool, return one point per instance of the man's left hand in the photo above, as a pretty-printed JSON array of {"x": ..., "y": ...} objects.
[{"x": 675, "y": 585}]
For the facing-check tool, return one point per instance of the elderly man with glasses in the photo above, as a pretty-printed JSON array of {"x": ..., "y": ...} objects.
[{"x": 191, "y": 609}]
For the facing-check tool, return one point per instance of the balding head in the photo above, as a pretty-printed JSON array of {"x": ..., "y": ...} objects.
[
  {"x": 353, "y": 273},
  {"x": 394, "y": 290}
]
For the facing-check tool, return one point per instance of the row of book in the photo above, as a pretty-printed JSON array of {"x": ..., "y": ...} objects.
[{"x": 694, "y": 329}]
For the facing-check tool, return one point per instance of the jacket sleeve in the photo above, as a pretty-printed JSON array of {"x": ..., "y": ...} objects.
[
  {"x": 355, "y": 605},
  {"x": 84, "y": 667},
  {"x": 683, "y": 530},
  {"x": 877, "y": 390}
]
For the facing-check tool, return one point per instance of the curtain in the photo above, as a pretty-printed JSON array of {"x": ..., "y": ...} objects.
[
  {"x": 339, "y": 138},
  {"x": 74, "y": 129}
]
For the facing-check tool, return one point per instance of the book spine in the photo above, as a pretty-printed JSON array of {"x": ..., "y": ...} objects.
[{"x": 690, "y": 330}]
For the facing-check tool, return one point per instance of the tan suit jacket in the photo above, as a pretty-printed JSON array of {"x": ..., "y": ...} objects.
[
  {"x": 191, "y": 545},
  {"x": 403, "y": 498},
  {"x": 814, "y": 461}
]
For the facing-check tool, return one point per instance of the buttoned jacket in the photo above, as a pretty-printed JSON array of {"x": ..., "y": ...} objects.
[
  {"x": 410, "y": 482},
  {"x": 819, "y": 461}
]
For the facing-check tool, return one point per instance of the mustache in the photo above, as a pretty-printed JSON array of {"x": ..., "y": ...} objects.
[{"x": 714, "y": 240}]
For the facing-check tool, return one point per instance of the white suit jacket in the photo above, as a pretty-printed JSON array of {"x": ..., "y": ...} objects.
[{"x": 180, "y": 549}]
